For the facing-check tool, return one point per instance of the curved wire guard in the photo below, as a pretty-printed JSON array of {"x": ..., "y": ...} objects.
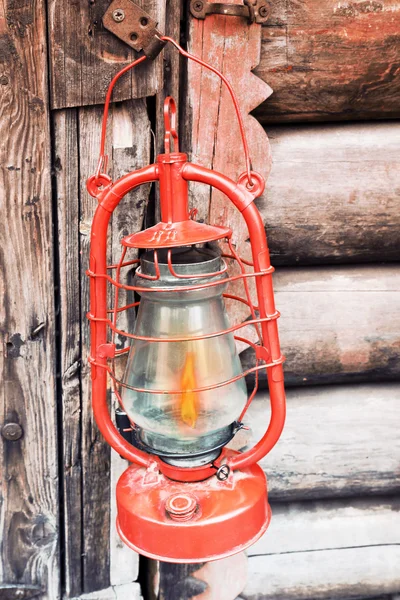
[
  {"x": 103, "y": 159},
  {"x": 261, "y": 353}
]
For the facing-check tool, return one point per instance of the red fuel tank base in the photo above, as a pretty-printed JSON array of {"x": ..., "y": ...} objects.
[{"x": 191, "y": 522}]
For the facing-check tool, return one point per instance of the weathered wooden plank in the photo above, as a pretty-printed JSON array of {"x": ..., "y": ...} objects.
[
  {"x": 311, "y": 533},
  {"x": 332, "y": 194},
  {"x": 66, "y": 169},
  {"x": 338, "y": 324},
  {"x": 330, "y": 60},
  {"x": 84, "y": 56},
  {"x": 129, "y": 144},
  {"x": 340, "y": 573},
  {"x": 29, "y": 493},
  {"x": 95, "y": 452},
  {"x": 212, "y": 133},
  {"x": 337, "y": 441}
]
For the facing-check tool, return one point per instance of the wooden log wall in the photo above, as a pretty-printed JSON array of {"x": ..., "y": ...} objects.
[
  {"x": 328, "y": 60},
  {"x": 333, "y": 193}
]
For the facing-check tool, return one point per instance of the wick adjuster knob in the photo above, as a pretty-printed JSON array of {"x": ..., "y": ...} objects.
[{"x": 181, "y": 507}]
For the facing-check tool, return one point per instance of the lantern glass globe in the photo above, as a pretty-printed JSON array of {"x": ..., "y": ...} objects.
[{"x": 175, "y": 411}]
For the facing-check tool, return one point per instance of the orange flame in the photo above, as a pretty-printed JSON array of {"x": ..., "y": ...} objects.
[{"x": 188, "y": 399}]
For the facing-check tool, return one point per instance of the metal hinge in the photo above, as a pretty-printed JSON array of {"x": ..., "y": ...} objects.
[
  {"x": 134, "y": 26},
  {"x": 255, "y": 11}
]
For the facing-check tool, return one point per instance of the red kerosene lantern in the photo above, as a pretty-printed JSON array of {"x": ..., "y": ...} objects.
[{"x": 186, "y": 497}]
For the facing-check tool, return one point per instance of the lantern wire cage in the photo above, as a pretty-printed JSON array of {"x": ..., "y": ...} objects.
[{"x": 240, "y": 271}]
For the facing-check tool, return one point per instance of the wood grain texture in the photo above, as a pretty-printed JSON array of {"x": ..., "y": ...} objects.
[
  {"x": 212, "y": 133},
  {"x": 333, "y": 193},
  {"x": 86, "y": 456},
  {"x": 328, "y": 60},
  {"x": 131, "y": 143},
  {"x": 29, "y": 482},
  {"x": 66, "y": 170},
  {"x": 84, "y": 56},
  {"x": 331, "y": 524},
  {"x": 337, "y": 441},
  {"x": 354, "y": 532},
  {"x": 338, "y": 324},
  {"x": 349, "y": 573},
  {"x": 128, "y": 144},
  {"x": 95, "y": 452}
]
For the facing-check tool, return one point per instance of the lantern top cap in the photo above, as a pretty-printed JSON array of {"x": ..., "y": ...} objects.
[{"x": 172, "y": 235}]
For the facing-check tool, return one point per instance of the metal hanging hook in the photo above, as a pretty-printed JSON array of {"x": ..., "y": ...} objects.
[{"x": 170, "y": 125}]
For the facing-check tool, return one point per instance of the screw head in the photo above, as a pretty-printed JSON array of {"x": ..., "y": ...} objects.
[
  {"x": 198, "y": 6},
  {"x": 263, "y": 11},
  {"x": 12, "y": 432},
  {"x": 118, "y": 15}
]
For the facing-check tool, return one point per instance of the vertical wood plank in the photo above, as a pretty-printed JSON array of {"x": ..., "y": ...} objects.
[
  {"x": 66, "y": 169},
  {"x": 128, "y": 144},
  {"x": 213, "y": 130},
  {"x": 84, "y": 56},
  {"x": 29, "y": 505},
  {"x": 131, "y": 143},
  {"x": 95, "y": 452}
]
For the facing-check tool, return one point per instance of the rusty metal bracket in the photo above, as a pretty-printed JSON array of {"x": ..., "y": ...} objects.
[
  {"x": 134, "y": 26},
  {"x": 255, "y": 11}
]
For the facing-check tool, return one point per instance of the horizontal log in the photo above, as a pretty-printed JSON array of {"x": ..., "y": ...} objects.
[
  {"x": 330, "y": 524},
  {"x": 331, "y": 60},
  {"x": 327, "y": 550},
  {"x": 337, "y": 324},
  {"x": 351, "y": 573},
  {"x": 333, "y": 193},
  {"x": 337, "y": 441}
]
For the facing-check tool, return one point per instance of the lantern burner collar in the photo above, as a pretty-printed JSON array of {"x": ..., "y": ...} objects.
[
  {"x": 196, "y": 456},
  {"x": 178, "y": 266}
]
